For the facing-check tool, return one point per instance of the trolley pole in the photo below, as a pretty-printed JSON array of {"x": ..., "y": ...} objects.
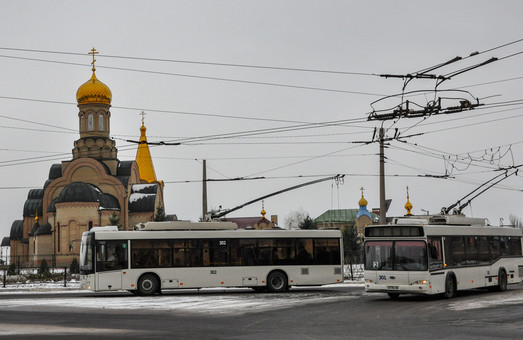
[
  {"x": 204, "y": 190},
  {"x": 383, "y": 205}
]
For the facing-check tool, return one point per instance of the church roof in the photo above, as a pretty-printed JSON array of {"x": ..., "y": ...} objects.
[
  {"x": 31, "y": 206},
  {"x": 45, "y": 229},
  {"x": 143, "y": 197},
  {"x": 337, "y": 216},
  {"x": 85, "y": 192},
  {"x": 93, "y": 91},
  {"x": 144, "y": 159},
  {"x": 55, "y": 171},
  {"x": 5, "y": 242},
  {"x": 17, "y": 230}
]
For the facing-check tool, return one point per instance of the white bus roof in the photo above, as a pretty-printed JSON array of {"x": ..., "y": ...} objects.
[
  {"x": 215, "y": 234},
  {"x": 186, "y": 225},
  {"x": 439, "y": 220}
]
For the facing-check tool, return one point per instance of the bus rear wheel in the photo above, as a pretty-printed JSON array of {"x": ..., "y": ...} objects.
[
  {"x": 450, "y": 287},
  {"x": 148, "y": 285},
  {"x": 277, "y": 282}
]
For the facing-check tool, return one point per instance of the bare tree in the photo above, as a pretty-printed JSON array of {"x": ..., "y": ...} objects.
[
  {"x": 515, "y": 221},
  {"x": 295, "y": 219}
]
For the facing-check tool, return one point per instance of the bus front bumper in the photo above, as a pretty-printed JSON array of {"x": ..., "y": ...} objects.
[
  {"x": 424, "y": 289},
  {"x": 86, "y": 282}
]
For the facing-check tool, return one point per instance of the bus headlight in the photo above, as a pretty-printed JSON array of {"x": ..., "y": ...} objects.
[
  {"x": 368, "y": 281},
  {"x": 420, "y": 282}
]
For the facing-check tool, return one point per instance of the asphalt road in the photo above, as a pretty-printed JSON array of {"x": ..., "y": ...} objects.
[{"x": 313, "y": 313}]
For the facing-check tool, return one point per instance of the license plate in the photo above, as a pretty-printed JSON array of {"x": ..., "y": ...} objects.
[{"x": 393, "y": 287}]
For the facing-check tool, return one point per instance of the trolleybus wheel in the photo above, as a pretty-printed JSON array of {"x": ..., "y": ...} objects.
[
  {"x": 277, "y": 282},
  {"x": 148, "y": 285},
  {"x": 450, "y": 287},
  {"x": 502, "y": 281}
]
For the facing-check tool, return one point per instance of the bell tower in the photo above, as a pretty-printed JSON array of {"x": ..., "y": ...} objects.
[{"x": 94, "y": 100}]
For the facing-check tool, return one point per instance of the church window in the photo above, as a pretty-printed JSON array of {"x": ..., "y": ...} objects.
[
  {"x": 101, "y": 122},
  {"x": 90, "y": 122}
]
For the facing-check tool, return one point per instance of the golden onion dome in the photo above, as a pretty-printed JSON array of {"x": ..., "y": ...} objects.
[
  {"x": 93, "y": 91},
  {"x": 363, "y": 202}
]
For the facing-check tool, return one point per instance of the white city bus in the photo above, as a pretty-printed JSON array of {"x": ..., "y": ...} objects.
[
  {"x": 441, "y": 255},
  {"x": 169, "y": 255}
]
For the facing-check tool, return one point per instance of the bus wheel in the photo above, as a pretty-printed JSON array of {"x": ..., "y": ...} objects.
[
  {"x": 393, "y": 296},
  {"x": 148, "y": 285},
  {"x": 450, "y": 287},
  {"x": 502, "y": 281},
  {"x": 277, "y": 282}
]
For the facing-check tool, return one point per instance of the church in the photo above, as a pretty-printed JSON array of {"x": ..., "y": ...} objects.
[{"x": 93, "y": 188}]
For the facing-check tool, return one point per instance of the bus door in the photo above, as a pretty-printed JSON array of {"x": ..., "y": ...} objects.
[{"x": 111, "y": 259}]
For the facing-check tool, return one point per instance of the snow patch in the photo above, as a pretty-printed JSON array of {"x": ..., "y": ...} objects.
[{"x": 137, "y": 196}]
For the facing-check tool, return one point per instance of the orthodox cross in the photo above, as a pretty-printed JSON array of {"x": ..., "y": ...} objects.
[
  {"x": 93, "y": 52},
  {"x": 143, "y": 115},
  {"x": 362, "y": 191}
]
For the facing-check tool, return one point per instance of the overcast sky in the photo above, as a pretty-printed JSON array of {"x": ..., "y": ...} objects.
[{"x": 244, "y": 67}]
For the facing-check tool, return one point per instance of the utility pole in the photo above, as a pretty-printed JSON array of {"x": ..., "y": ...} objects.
[
  {"x": 383, "y": 205},
  {"x": 204, "y": 190}
]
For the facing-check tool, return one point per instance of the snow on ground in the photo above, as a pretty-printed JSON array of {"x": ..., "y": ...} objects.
[
  {"x": 208, "y": 301},
  {"x": 487, "y": 301}
]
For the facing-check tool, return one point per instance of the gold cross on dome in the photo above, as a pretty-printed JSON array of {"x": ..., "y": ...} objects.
[
  {"x": 143, "y": 115},
  {"x": 93, "y": 52},
  {"x": 362, "y": 191}
]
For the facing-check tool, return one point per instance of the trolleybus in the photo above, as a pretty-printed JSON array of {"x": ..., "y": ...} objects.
[
  {"x": 441, "y": 255},
  {"x": 169, "y": 255}
]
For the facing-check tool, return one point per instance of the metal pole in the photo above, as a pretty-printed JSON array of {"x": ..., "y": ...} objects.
[
  {"x": 204, "y": 190},
  {"x": 65, "y": 276},
  {"x": 383, "y": 206}
]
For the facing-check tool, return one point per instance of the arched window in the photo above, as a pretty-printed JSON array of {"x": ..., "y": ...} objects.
[
  {"x": 82, "y": 123},
  {"x": 101, "y": 122},
  {"x": 90, "y": 122}
]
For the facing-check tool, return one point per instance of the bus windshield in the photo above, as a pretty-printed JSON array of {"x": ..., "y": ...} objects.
[
  {"x": 396, "y": 255},
  {"x": 86, "y": 253}
]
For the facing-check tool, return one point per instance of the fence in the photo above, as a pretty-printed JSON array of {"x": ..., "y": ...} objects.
[
  {"x": 354, "y": 272},
  {"x": 23, "y": 269}
]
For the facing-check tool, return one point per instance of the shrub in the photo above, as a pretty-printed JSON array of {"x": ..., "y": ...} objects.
[
  {"x": 44, "y": 268},
  {"x": 75, "y": 267}
]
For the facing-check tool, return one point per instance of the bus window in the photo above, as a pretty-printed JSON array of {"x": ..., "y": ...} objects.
[
  {"x": 503, "y": 245},
  {"x": 285, "y": 250},
  {"x": 410, "y": 255},
  {"x": 215, "y": 253},
  {"x": 304, "y": 251},
  {"x": 326, "y": 251},
  {"x": 266, "y": 247},
  {"x": 471, "y": 250},
  {"x": 454, "y": 251},
  {"x": 514, "y": 245},
  {"x": 495, "y": 251},
  {"x": 435, "y": 253},
  {"x": 378, "y": 255},
  {"x": 248, "y": 251},
  {"x": 111, "y": 255},
  {"x": 483, "y": 250}
]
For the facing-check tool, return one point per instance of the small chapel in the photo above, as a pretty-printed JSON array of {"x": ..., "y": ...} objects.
[{"x": 93, "y": 188}]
